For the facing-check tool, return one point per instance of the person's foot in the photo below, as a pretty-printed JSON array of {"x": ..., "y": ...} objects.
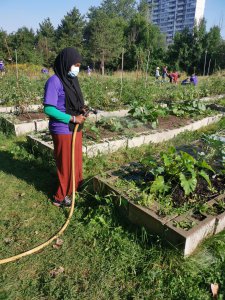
[{"x": 66, "y": 202}]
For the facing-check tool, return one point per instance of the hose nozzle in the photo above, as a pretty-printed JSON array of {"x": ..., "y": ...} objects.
[{"x": 90, "y": 110}]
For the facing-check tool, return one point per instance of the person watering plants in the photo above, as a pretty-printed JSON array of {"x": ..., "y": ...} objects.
[{"x": 64, "y": 104}]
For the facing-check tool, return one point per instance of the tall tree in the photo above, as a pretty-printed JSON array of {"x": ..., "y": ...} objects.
[
  {"x": 46, "y": 41},
  {"x": 70, "y": 31},
  {"x": 122, "y": 8},
  {"x": 23, "y": 41},
  {"x": 187, "y": 51},
  {"x": 214, "y": 45},
  {"x": 5, "y": 52},
  {"x": 105, "y": 37},
  {"x": 144, "y": 40}
]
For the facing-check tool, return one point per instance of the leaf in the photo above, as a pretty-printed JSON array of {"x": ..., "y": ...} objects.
[
  {"x": 159, "y": 186},
  {"x": 205, "y": 165},
  {"x": 101, "y": 220},
  {"x": 167, "y": 160},
  {"x": 158, "y": 170},
  {"x": 177, "y": 112},
  {"x": 205, "y": 176},
  {"x": 189, "y": 185},
  {"x": 94, "y": 129}
]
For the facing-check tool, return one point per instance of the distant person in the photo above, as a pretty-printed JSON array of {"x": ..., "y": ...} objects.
[
  {"x": 194, "y": 79},
  {"x": 2, "y": 67},
  {"x": 174, "y": 77},
  {"x": 44, "y": 71},
  {"x": 185, "y": 81},
  {"x": 164, "y": 73},
  {"x": 89, "y": 71},
  {"x": 157, "y": 75}
]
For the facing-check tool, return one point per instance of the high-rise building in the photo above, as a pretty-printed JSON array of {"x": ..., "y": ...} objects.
[{"x": 174, "y": 15}]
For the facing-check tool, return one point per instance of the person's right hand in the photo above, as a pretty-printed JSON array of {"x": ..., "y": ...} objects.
[{"x": 80, "y": 119}]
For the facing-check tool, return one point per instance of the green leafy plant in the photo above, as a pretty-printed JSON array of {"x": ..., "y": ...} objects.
[
  {"x": 177, "y": 168},
  {"x": 214, "y": 147},
  {"x": 184, "y": 224},
  {"x": 90, "y": 127},
  {"x": 112, "y": 124},
  {"x": 192, "y": 107},
  {"x": 148, "y": 113}
]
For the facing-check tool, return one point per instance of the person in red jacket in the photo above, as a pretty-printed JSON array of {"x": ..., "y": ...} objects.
[{"x": 174, "y": 77}]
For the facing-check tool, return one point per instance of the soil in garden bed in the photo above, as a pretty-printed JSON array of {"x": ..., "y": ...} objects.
[
  {"x": 202, "y": 193},
  {"x": 27, "y": 116},
  {"x": 171, "y": 122},
  {"x": 167, "y": 122}
]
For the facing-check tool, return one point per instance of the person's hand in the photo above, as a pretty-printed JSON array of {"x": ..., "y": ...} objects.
[{"x": 80, "y": 119}]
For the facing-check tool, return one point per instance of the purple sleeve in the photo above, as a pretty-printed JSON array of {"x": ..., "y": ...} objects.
[{"x": 51, "y": 91}]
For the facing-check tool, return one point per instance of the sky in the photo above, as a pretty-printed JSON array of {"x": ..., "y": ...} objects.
[{"x": 30, "y": 13}]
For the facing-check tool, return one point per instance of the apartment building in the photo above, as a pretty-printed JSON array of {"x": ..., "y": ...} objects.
[{"x": 174, "y": 15}]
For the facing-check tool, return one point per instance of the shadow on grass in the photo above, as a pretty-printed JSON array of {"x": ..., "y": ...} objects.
[{"x": 30, "y": 171}]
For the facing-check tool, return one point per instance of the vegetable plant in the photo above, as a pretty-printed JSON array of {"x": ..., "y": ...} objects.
[
  {"x": 177, "y": 168},
  {"x": 147, "y": 113},
  {"x": 187, "y": 108}
]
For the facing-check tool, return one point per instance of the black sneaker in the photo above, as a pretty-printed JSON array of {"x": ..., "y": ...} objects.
[{"x": 65, "y": 203}]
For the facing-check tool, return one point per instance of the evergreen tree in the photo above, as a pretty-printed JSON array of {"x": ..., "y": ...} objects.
[
  {"x": 104, "y": 37},
  {"x": 5, "y": 52},
  {"x": 46, "y": 42},
  {"x": 70, "y": 32}
]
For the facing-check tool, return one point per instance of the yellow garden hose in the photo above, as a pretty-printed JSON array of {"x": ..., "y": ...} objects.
[{"x": 60, "y": 232}]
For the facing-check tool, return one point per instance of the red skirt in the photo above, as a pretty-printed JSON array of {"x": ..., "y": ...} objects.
[{"x": 63, "y": 157}]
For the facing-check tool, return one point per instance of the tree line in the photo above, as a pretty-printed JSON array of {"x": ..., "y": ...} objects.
[{"x": 118, "y": 32}]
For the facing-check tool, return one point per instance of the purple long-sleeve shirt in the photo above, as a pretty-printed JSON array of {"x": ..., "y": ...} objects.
[{"x": 55, "y": 96}]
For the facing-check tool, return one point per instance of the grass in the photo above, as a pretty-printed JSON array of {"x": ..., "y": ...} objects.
[{"x": 102, "y": 256}]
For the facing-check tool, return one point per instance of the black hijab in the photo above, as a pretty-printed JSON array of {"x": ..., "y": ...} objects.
[{"x": 74, "y": 98}]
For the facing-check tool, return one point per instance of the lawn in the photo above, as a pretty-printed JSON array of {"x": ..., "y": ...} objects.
[{"x": 101, "y": 256}]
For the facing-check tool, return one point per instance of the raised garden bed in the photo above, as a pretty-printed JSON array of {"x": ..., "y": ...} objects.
[
  {"x": 178, "y": 198},
  {"x": 22, "y": 123},
  {"x": 11, "y": 109},
  {"x": 107, "y": 145}
]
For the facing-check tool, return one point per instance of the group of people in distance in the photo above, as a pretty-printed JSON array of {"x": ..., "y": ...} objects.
[{"x": 174, "y": 76}]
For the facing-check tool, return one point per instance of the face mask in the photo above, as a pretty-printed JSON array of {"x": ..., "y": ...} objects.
[{"x": 74, "y": 71}]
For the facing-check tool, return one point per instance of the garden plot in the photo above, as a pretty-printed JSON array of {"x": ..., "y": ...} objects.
[
  {"x": 176, "y": 195},
  {"x": 22, "y": 120},
  {"x": 145, "y": 124},
  {"x": 112, "y": 141},
  {"x": 12, "y": 109},
  {"x": 27, "y": 118}
]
